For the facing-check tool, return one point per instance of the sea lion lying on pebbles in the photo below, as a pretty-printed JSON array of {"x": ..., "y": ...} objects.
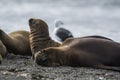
[
  {"x": 39, "y": 36},
  {"x": 82, "y": 52},
  {"x": 16, "y": 42}
]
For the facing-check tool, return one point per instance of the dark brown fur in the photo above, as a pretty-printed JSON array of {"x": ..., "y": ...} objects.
[
  {"x": 16, "y": 42},
  {"x": 39, "y": 36},
  {"x": 3, "y": 51},
  {"x": 82, "y": 52}
]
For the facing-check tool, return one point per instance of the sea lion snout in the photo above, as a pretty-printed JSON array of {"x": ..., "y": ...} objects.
[
  {"x": 42, "y": 59},
  {"x": 47, "y": 58},
  {"x": 41, "y": 55}
]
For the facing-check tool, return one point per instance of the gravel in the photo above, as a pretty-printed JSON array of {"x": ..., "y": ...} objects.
[{"x": 18, "y": 67}]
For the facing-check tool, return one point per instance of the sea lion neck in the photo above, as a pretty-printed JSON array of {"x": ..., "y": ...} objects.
[
  {"x": 55, "y": 54},
  {"x": 39, "y": 32},
  {"x": 62, "y": 60},
  {"x": 63, "y": 47},
  {"x": 39, "y": 39}
]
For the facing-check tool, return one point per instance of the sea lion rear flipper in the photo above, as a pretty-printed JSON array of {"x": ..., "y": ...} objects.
[{"x": 101, "y": 66}]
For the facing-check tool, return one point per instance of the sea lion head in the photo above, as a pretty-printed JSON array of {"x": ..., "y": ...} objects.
[
  {"x": 38, "y": 26},
  {"x": 47, "y": 58}
]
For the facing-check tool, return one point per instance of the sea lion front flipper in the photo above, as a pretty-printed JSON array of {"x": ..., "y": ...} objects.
[{"x": 101, "y": 66}]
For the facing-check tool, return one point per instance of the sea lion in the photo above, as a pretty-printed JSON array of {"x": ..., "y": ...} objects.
[
  {"x": 39, "y": 36},
  {"x": 3, "y": 51},
  {"x": 16, "y": 42},
  {"x": 82, "y": 52}
]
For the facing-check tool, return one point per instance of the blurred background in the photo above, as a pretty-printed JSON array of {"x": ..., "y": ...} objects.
[{"x": 81, "y": 17}]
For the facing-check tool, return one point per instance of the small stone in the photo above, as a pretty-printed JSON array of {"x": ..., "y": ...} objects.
[{"x": 101, "y": 78}]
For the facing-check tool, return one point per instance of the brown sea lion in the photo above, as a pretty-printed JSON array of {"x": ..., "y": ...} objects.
[
  {"x": 82, "y": 52},
  {"x": 3, "y": 51},
  {"x": 39, "y": 36},
  {"x": 16, "y": 42}
]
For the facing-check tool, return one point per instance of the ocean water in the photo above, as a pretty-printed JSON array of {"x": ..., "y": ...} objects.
[{"x": 81, "y": 17}]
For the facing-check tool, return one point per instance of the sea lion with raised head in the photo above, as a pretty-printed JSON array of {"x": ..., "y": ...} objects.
[
  {"x": 39, "y": 36},
  {"x": 82, "y": 52},
  {"x": 16, "y": 42}
]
